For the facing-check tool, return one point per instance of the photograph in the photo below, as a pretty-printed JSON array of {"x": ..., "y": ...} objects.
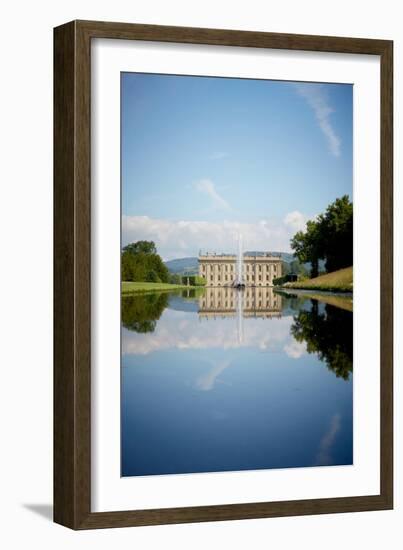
[
  {"x": 209, "y": 358},
  {"x": 236, "y": 274}
]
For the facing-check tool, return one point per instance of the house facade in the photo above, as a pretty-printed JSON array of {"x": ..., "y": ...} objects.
[{"x": 257, "y": 270}]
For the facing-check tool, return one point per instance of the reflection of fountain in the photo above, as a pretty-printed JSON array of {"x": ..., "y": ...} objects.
[
  {"x": 240, "y": 317},
  {"x": 239, "y": 275}
]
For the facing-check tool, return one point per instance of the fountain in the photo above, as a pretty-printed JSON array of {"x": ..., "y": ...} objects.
[{"x": 240, "y": 285}]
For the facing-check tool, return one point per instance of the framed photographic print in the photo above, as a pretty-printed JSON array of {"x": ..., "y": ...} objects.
[{"x": 222, "y": 275}]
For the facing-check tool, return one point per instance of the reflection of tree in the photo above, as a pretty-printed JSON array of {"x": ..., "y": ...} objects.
[
  {"x": 141, "y": 312},
  {"x": 329, "y": 334},
  {"x": 294, "y": 302}
]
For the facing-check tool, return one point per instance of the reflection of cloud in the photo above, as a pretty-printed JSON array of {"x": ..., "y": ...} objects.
[
  {"x": 180, "y": 238},
  {"x": 315, "y": 96},
  {"x": 182, "y": 330},
  {"x": 208, "y": 188},
  {"x": 206, "y": 382},
  {"x": 323, "y": 458},
  {"x": 295, "y": 349}
]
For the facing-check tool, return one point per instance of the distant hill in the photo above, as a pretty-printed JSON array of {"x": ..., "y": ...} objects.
[
  {"x": 183, "y": 265},
  {"x": 190, "y": 265},
  {"x": 285, "y": 256}
]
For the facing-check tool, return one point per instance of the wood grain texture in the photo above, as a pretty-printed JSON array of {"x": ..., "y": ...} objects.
[
  {"x": 387, "y": 273},
  {"x": 72, "y": 296},
  {"x": 64, "y": 344},
  {"x": 221, "y": 37},
  {"x": 72, "y": 274}
]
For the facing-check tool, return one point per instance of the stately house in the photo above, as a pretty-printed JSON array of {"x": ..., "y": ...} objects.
[{"x": 257, "y": 270}]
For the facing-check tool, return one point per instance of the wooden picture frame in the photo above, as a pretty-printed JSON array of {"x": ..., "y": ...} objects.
[{"x": 72, "y": 272}]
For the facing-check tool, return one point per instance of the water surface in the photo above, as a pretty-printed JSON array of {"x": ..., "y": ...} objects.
[{"x": 221, "y": 380}]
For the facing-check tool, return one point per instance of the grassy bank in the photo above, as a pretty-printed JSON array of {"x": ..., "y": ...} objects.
[
  {"x": 129, "y": 287},
  {"x": 342, "y": 301},
  {"x": 337, "y": 281}
]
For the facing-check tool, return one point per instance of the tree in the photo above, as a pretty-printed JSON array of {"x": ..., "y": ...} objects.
[
  {"x": 145, "y": 247},
  {"x": 152, "y": 277},
  {"x": 298, "y": 268},
  {"x": 286, "y": 268},
  {"x": 329, "y": 237},
  {"x": 194, "y": 280},
  {"x": 338, "y": 234},
  {"x": 156, "y": 264},
  {"x": 127, "y": 267},
  {"x": 309, "y": 246},
  {"x": 175, "y": 279},
  {"x": 140, "y": 262}
]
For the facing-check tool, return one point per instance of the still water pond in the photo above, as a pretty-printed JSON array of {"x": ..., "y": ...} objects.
[{"x": 235, "y": 380}]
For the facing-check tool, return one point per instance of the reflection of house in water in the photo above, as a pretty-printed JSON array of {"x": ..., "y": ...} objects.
[{"x": 227, "y": 302}]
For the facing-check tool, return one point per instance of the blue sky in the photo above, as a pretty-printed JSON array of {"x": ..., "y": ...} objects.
[{"x": 206, "y": 158}]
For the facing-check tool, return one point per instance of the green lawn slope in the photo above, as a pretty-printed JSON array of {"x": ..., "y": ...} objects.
[
  {"x": 337, "y": 281},
  {"x": 129, "y": 287}
]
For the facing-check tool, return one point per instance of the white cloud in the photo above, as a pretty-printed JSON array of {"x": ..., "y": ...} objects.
[
  {"x": 315, "y": 96},
  {"x": 207, "y": 187},
  {"x": 295, "y": 220},
  {"x": 177, "y": 239}
]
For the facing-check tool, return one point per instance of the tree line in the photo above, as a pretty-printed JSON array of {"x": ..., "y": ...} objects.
[
  {"x": 141, "y": 262},
  {"x": 329, "y": 237}
]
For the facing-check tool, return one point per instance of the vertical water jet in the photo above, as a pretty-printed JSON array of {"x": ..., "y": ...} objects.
[{"x": 239, "y": 275}]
